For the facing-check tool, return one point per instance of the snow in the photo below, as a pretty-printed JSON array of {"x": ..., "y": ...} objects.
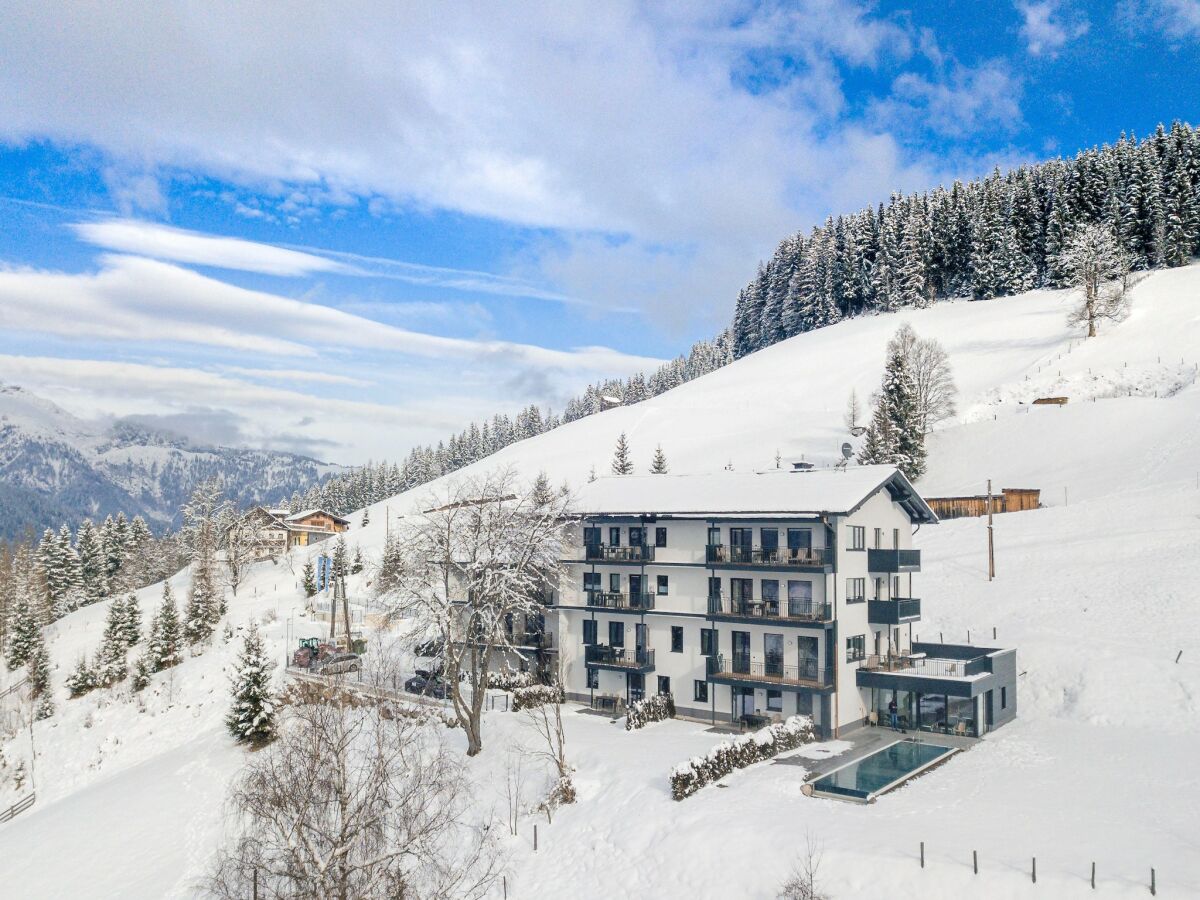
[
  {"x": 1096, "y": 591},
  {"x": 775, "y": 491}
]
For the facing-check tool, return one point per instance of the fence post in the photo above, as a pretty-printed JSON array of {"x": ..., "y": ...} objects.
[
  {"x": 1153, "y": 886},
  {"x": 922, "y": 854},
  {"x": 1093, "y": 876},
  {"x": 535, "y": 838},
  {"x": 1035, "y": 870},
  {"x": 504, "y": 879},
  {"x": 975, "y": 860}
]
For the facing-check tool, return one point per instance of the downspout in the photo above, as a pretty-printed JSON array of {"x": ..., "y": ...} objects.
[{"x": 831, "y": 542}]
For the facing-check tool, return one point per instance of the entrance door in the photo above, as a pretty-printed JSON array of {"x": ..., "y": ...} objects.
[
  {"x": 635, "y": 590},
  {"x": 741, "y": 652},
  {"x": 741, "y": 542},
  {"x": 635, "y": 686}
]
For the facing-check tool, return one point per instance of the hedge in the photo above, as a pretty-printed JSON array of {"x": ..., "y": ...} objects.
[
  {"x": 742, "y": 751},
  {"x": 509, "y": 680},
  {"x": 652, "y": 709},
  {"x": 537, "y": 695}
]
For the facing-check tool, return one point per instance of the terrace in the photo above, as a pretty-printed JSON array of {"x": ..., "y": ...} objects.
[
  {"x": 896, "y": 611},
  {"x": 637, "y": 553},
  {"x": 769, "y": 557},
  {"x": 743, "y": 670},
  {"x": 619, "y": 602},
  {"x": 620, "y": 659},
  {"x": 894, "y": 561},
  {"x": 785, "y": 612}
]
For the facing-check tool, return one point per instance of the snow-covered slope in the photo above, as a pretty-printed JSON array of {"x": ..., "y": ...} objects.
[
  {"x": 55, "y": 468},
  {"x": 1095, "y": 591}
]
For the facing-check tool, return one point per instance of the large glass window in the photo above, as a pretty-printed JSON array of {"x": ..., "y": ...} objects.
[
  {"x": 591, "y": 535},
  {"x": 770, "y": 596},
  {"x": 614, "y": 536},
  {"x": 799, "y": 538},
  {"x": 800, "y": 598},
  {"x": 635, "y": 536},
  {"x": 708, "y": 641},
  {"x": 660, "y": 537},
  {"x": 664, "y": 684},
  {"x": 662, "y": 585},
  {"x": 589, "y": 631},
  {"x": 856, "y": 648},
  {"x": 770, "y": 540},
  {"x": 614, "y": 582},
  {"x": 591, "y": 581},
  {"x": 676, "y": 638},
  {"x": 700, "y": 691},
  {"x": 616, "y": 634},
  {"x": 856, "y": 590},
  {"x": 773, "y": 654},
  {"x": 858, "y": 537},
  {"x": 593, "y": 679},
  {"x": 774, "y": 700}
]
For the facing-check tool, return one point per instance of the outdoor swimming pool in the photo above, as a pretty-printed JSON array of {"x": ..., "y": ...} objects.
[{"x": 866, "y": 778}]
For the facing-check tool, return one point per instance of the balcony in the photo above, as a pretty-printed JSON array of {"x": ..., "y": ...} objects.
[
  {"x": 619, "y": 659},
  {"x": 533, "y": 640},
  {"x": 897, "y": 611},
  {"x": 894, "y": 561},
  {"x": 769, "y": 558},
  {"x": 618, "y": 602},
  {"x": 770, "y": 611},
  {"x": 638, "y": 553},
  {"x": 744, "y": 670}
]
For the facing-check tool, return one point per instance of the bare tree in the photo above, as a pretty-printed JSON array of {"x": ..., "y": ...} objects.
[
  {"x": 477, "y": 560},
  {"x": 241, "y": 535},
  {"x": 1099, "y": 268},
  {"x": 514, "y": 788},
  {"x": 802, "y": 883},
  {"x": 851, "y": 417},
  {"x": 352, "y": 802},
  {"x": 929, "y": 365},
  {"x": 546, "y": 720}
]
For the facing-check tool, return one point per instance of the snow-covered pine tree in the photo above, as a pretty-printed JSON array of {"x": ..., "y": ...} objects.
[
  {"x": 38, "y": 668},
  {"x": 142, "y": 670},
  {"x": 252, "y": 716},
  {"x": 309, "y": 579},
  {"x": 202, "y": 608},
  {"x": 93, "y": 567},
  {"x": 621, "y": 463},
  {"x": 24, "y": 629},
  {"x": 356, "y": 561},
  {"x": 110, "y": 660},
  {"x": 166, "y": 636},
  {"x": 1094, "y": 263},
  {"x": 659, "y": 464},
  {"x": 131, "y": 617},
  {"x": 899, "y": 398},
  {"x": 879, "y": 443},
  {"x": 82, "y": 679},
  {"x": 341, "y": 560}
]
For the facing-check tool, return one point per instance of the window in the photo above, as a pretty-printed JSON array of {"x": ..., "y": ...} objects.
[
  {"x": 878, "y": 588},
  {"x": 714, "y": 537},
  {"x": 708, "y": 641},
  {"x": 591, "y": 535},
  {"x": 1004, "y": 698},
  {"x": 770, "y": 539},
  {"x": 589, "y": 631},
  {"x": 769, "y": 588},
  {"x": 591, "y": 581},
  {"x": 593, "y": 679},
  {"x": 616, "y": 634},
  {"x": 635, "y": 536},
  {"x": 664, "y": 684},
  {"x": 895, "y": 538},
  {"x": 676, "y": 638},
  {"x": 858, "y": 537},
  {"x": 614, "y": 537},
  {"x": 774, "y": 701},
  {"x": 856, "y": 648},
  {"x": 662, "y": 585},
  {"x": 856, "y": 590},
  {"x": 799, "y": 538},
  {"x": 804, "y": 704},
  {"x": 700, "y": 691},
  {"x": 614, "y": 582},
  {"x": 660, "y": 537},
  {"x": 878, "y": 538}
]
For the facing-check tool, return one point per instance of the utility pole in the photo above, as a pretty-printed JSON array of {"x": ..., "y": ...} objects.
[{"x": 991, "y": 542}]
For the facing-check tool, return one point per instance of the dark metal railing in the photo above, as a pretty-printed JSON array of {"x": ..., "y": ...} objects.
[
  {"x": 720, "y": 554},
  {"x": 924, "y": 666},
  {"x": 770, "y": 669},
  {"x": 631, "y": 657},
  {"x": 617, "y": 600},
  {"x": 603, "y": 553},
  {"x": 543, "y": 640},
  {"x": 782, "y": 610},
  {"x": 894, "y": 611},
  {"x": 893, "y": 560}
]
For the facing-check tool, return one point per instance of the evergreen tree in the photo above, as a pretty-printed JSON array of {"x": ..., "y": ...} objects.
[
  {"x": 38, "y": 668},
  {"x": 356, "y": 563},
  {"x": 341, "y": 565},
  {"x": 24, "y": 629},
  {"x": 309, "y": 579},
  {"x": 202, "y": 607},
  {"x": 252, "y": 717},
  {"x": 110, "y": 660},
  {"x": 659, "y": 465},
  {"x": 142, "y": 670},
  {"x": 131, "y": 619},
  {"x": 166, "y": 638},
  {"x": 81, "y": 680},
  {"x": 622, "y": 464},
  {"x": 93, "y": 567},
  {"x": 896, "y": 434}
]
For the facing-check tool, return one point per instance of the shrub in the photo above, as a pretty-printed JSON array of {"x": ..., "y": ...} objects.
[
  {"x": 652, "y": 709},
  {"x": 742, "y": 751},
  {"x": 82, "y": 680},
  {"x": 537, "y": 695},
  {"x": 510, "y": 681}
]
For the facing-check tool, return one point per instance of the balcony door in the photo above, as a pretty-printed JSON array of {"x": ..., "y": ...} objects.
[
  {"x": 807, "y": 649},
  {"x": 799, "y": 538},
  {"x": 741, "y": 592},
  {"x": 741, "y": 652},
  {"x": 635, "y": 589},
  {"x": 640, "y": 637},
  {"x": 741, "y": 542},
  {"x": 800, "y": 598},
  {"x": 770, "y": 542},
  {"x": 635, "y": 536},
  {"x": 773, "y": 655}
]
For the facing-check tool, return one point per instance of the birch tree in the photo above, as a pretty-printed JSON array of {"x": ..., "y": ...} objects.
[{"x": 1098, "y": 268}]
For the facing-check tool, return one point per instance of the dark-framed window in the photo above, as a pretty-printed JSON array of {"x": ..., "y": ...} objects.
[
  {"x": 614, "y": 536},
  {"x": 714, "y": 537},
  {"x": 591, "y": 581},
  {"x": 1004, "y": 698},
  {"x": 635, "y": 536},
  {"x": 676, "y": 638},
  {"x": 700, "y": 691},
  {"x": 774, "y": 700},
  {"x": 589, "y": 631},
  {"x": 662, "y": 585},
  {"x": 799, "y": 538},
  {"x": 664, "y": 684},
  {"x": 856, "y": 648},
  {"x": 858, "y": 537},
  {"x": 804, "y": 704},
  {"x": 769, "y": 538},
  {"x": 616, "y": 634},
  {"x": 591, "y": 535},
  {"x": 708, "y": 641},
  {"x": 660, "y": 537},
  {"x": 614, "y": 582},
  {"x": 593, "y": 679},
  {"x": 856, "y": 590}
]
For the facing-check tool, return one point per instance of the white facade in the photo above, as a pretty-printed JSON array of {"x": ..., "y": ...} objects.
[{"x": 752, "y": 595}]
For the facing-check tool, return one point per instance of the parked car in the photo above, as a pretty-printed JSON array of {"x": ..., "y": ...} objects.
[
  {"x": 339, "y": 663},
  {"x": 428, "y": 684}
]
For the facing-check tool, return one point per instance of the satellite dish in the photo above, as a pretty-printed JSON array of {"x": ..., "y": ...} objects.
[{"x": 847, "y": 450}]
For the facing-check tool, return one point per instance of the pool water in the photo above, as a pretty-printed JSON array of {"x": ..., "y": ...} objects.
[{"x": 868, "y": 776}]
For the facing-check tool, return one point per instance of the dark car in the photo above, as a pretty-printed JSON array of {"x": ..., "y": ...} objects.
[{"x": 427, "y": 684}]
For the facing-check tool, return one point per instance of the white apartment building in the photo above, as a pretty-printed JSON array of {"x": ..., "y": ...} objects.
[{"x": 759, "y": 595}]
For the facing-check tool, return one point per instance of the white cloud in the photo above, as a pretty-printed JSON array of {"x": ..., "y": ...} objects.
[
  {"x": 308, "y": 375},
  {"x": 1045, "y": 30},
  {"x": 1175, "y": 18}
]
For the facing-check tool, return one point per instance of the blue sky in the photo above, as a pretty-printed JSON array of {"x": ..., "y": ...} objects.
[{"x": 343, "y": 234}]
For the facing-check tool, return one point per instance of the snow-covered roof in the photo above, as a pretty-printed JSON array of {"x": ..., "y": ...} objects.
[
  {"x": 776, "y": 492},
  {"x": 305, "y": 513}
]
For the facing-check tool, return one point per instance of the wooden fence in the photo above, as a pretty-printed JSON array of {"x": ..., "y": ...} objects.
[
  {"x": 1008, "y": 500},
  {"x": 19, "y": 807}
]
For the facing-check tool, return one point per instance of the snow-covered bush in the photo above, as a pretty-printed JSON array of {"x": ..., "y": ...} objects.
[
  {"x": 652, "y": 709},
  {"x": 510, "y": 680},
  {"x": 537, "y": 695},
  {"x": 82, "y": 680},
  {"x": 742, "y": 751}
]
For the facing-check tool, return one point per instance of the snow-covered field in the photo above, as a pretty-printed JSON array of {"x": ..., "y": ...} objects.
[{"x": 1096, "y": 591}]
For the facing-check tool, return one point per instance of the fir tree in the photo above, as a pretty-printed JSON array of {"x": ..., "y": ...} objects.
[
  {"x": 110, "y": 660},
  {"x": 81, "y": 680},
  {"x": 896, "y": 435},
  {"x": 356, "y": 563},
  {"x": 340, "y": 558},
  {"x": 166, "y": 637},
  {"x": 310, "y": 579},
  {"x": 93, "y": 567},
  {"x": 24, "y": 629},
  {"x": 142, "y": 670},
  {"x": 203, "y": 607},
  {"x": 622, "y": 464},
  {"x": 659, "y": 465},
  {"x": 131, "y": 619},
  {"x": 38, "y": 668},
  {"x": 252, "y": 716}
]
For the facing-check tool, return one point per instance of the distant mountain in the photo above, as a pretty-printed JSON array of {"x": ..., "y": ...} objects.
[{"x": 55, "y": 467}]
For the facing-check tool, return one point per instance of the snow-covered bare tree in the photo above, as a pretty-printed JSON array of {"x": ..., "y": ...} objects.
[
  {"x": 929, "y": 366},
  {"x": 479, "y": 557},
  {"x": 241, "y": 535},
  {"x": 1097, "y": 266},
  {"x": 853, "y": 414},
  {"x": 354, "y": 804}
]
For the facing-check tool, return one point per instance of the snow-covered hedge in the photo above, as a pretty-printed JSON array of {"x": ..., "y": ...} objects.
[
  {"x": 742, "y": 751},
  {"x": 537, "y": 695},
  {"x": 510, "y": 681},
  {"x": 652, "y": 709}
]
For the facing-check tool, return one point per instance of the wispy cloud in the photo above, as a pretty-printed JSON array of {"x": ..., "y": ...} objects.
[
  {"x": 303, "y": 375},
  {"x": 1047, "y": 26}
]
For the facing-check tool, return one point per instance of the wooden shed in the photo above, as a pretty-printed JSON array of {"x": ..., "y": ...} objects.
[{"x": 1008, "y": 500}]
